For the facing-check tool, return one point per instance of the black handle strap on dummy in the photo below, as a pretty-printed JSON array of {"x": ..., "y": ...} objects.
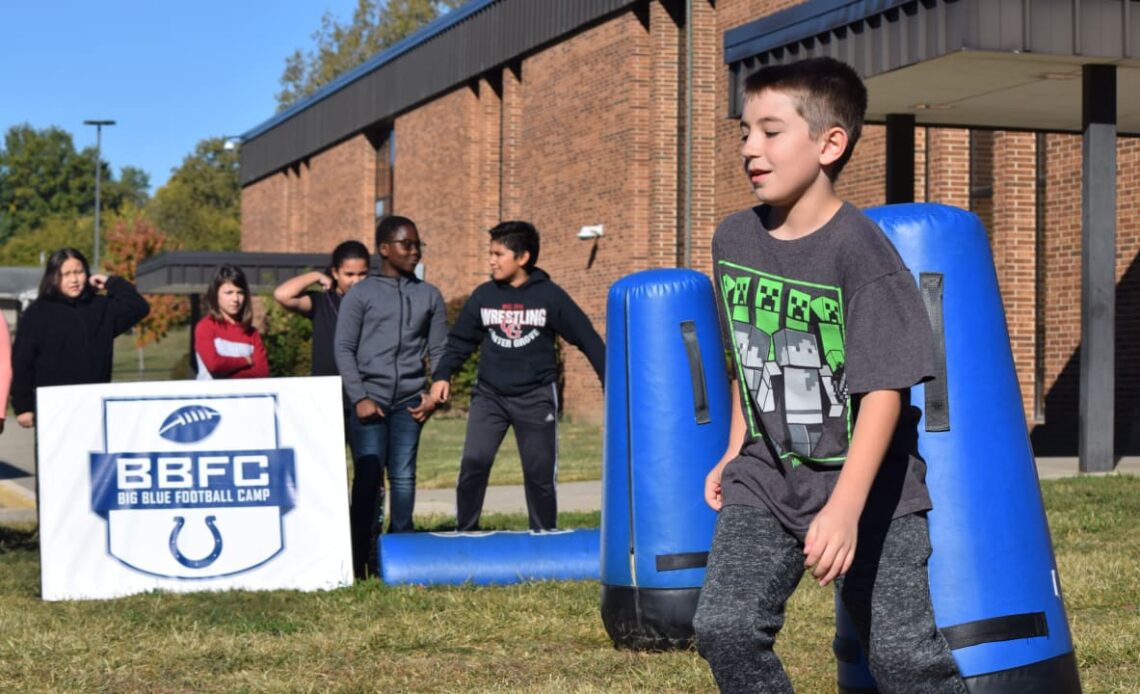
[
  {"x": 682, "y": 560},
  {"x": 1014, "y": 626},
  {"x": 937, "y": 396},
  {"x": 700, "y": 389}
]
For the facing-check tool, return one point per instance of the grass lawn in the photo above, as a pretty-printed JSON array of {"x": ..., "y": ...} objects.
[
  {"x": 579, "y": 454},
  {"x": 157, "y": 358},
  {"x": 537, "y": 637}
]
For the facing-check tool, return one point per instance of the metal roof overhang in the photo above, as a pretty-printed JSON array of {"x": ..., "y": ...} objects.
[
  {"x": 457, "y": 47},
  {"x": 190, "y": 272},
  {"x": 1003, "y": 64}
]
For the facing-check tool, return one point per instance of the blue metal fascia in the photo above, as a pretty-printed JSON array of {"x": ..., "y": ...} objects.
[
  {"x": 397, "y": 49},
  {"x": 799, "y": 22}
]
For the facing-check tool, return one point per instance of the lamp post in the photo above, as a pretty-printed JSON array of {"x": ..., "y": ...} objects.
[{"x": 98, "y": 178}]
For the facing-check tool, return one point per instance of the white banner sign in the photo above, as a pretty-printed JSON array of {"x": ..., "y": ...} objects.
[{"x": 192, "y": 485}]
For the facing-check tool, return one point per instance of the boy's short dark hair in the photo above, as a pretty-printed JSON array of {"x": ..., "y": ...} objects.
[
  {"x": 828, "y": 93},
  {"x": 518, "y": 237},
  {"x": 386, "y": 228}
]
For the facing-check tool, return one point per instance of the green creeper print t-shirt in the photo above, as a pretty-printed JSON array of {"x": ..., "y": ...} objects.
[{"x": 811, "y": 324}]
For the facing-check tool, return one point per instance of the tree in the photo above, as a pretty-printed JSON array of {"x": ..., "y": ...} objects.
[
  {"x": 129, "y": 242},
  {"x": 44, "y": 180},
  {"x": 42, "y": 175},
  {"x": 341, "y": 47},
  {"x": 199, "y": 208},
  {"x": 132, "y": 189},
  {"x": 54, "y": 232}
]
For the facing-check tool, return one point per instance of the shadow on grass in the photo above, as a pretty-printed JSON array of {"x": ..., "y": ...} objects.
[
  {"x": 16, "y": 538},
  {"x": 441, "y": 523}
]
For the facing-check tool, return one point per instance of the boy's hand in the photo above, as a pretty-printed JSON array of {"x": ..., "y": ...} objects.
[
  {"x": 325, "y": 281},
  {"x": 422, "y": 411},
  {"x": 26, "y": 419},
  {"x": 712, "y": 485},
  {"x": 97, "y": 282},
  {"x": 829, "y": 547},
  {"x": 367, "y": 410},
  {"x": 441, "y": 390}
]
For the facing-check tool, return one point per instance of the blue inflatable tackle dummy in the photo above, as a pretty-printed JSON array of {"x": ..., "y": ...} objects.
[
  {"x": 993, "y": 578},
  {"x": 667, "y": 411}
]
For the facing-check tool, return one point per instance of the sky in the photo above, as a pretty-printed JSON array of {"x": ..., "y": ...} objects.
[{"x": 169, "y": 73}]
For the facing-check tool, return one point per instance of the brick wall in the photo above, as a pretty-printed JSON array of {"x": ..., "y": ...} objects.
[
  {"x": 439, "y": 185},
  {"x": 591, "y": 130},
  {"x": 315, "y": 204},
  {"x": 263, "y": 216},
  {"x": 582, "y": 154},
  {"x": 1128, "y": 296},
  {"x": 1013, "y": 241},
  {"x": 949, "y": 167}
]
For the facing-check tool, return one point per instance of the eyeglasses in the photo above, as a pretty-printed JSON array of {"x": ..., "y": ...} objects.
[{"x": 408, "y": 245}]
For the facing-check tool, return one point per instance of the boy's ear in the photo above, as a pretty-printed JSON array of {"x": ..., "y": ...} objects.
[
  {"x": 833, "y": 144},
  {"x": 523, "y": 257}
]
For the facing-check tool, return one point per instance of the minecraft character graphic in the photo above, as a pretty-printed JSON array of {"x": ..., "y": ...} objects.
[{"x": 789, "y": 350}]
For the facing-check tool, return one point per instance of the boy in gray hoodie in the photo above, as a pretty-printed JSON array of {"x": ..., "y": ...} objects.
[{"x": 387, "y": 325}]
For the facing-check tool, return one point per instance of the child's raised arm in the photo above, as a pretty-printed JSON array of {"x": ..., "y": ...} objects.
[{"x": 291, "y": 293}]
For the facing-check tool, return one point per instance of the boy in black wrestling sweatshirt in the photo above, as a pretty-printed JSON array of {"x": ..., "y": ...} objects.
[{"x": 513, "y": 320}]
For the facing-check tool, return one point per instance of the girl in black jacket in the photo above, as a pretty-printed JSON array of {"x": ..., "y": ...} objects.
[{"x": 66, "y": 336}]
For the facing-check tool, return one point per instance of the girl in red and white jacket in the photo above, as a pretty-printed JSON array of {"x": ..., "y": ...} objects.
[{"x": 225, "y": 341}]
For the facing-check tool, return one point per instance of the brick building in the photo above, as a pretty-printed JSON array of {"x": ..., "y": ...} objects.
[{"x": 581, "y": 112}]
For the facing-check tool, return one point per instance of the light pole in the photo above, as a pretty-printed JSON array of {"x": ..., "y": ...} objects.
[{"x": 98, "y": 178}]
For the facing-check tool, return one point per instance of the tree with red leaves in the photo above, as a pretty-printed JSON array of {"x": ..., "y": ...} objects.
[{"x": 129, "y": 242}]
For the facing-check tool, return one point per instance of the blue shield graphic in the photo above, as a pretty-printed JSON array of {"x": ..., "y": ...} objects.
[{"x": 193, "y": 488}]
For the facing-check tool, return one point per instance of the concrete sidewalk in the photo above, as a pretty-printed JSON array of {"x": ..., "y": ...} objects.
[{"x": 18, "y": 483}]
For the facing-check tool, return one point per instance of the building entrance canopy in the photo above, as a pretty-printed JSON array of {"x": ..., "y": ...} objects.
[
  {"x": 1003, "y": 64},
  {"x": 1044, "y": 65}
]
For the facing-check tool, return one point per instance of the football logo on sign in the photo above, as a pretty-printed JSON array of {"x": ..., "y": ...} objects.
[
  {"x": 189, "y": 424},
  {"x": 193, "y": 492}
]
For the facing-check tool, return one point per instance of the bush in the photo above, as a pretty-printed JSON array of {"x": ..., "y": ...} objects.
[
  {"x": 462, "y": 381},
  {"x": 288, "y": 339}
]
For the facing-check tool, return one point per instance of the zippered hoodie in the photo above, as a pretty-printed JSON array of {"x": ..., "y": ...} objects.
[
  {"x": 386, "y": 326},
  {"x": 514, "y": 328}
]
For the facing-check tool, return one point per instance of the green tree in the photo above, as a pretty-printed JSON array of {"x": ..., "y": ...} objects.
[
  {"x": 42, "y": 175},
  {"x": 341, "y": 47},
  {"x": 132, "y": 189},
  {"x": 199, "y": 208},
  {"x": 54, "y": 232}
]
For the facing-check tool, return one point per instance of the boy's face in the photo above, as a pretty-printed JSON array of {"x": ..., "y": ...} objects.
[
  {"x": 404, "y": 251},
  {"x": 781, "y": 159},
  {"x": 505, "y": 266}
]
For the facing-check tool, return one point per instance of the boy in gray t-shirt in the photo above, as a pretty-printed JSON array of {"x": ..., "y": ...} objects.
[{"x": 827, "y": 332}]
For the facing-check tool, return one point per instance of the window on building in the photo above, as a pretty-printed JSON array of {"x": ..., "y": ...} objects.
[
  {"x": 982, "y": 177},
  {"x": 383, "y": 139}
]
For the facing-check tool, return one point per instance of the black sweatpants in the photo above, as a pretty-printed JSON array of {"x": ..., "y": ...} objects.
[
  {"x": 534, "y": 416},
  {"x": 755, "y": 565}
]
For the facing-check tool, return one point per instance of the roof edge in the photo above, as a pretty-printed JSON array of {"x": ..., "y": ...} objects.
[
  {"x": 420, "y": 37},
  {"x": 798, "y": 22}
]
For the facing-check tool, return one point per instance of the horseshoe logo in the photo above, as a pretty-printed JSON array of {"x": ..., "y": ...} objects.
[{"x": 205, "y": 561}]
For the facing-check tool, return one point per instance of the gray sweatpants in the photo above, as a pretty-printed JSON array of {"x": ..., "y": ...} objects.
[{"x": 755, "y": 565}]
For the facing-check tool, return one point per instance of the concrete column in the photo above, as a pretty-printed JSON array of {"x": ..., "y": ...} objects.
[
  {"x": 1098, "y": 268},
  {"x": 900, "y": 158}
]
